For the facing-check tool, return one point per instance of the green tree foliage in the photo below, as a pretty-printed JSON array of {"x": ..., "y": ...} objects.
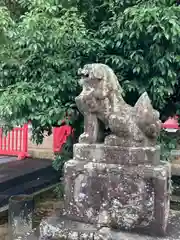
[
  {"x": 38, "y": 78},
  {"x": 147, "y": 51},
  {"x": 14, "y": 7},
  {"x": 44, "y": 48}
]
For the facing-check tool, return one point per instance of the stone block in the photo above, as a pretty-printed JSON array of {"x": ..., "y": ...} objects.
[
  {"x": 118, "y": 196},
  {"x": 89, "y": 152},
  {"x": 132, "y": 155},
  {"x": 117, "y": 155},
  {"x": 84, "y": 187}
]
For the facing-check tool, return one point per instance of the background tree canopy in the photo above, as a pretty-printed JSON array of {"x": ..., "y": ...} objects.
[{"x": 44, "y": 42}]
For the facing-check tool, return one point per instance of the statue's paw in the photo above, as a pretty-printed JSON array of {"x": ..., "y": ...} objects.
[{"x": 85, "y": 138}]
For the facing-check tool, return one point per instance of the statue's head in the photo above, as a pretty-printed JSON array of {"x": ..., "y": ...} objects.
[
  {"x": 90, "y": 73},
  {"x": 96, "y": 72}
]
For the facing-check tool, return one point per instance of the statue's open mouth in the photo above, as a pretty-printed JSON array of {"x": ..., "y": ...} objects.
[
  {"x": 84, "y": 74},
  {"x": 84, "y": 78}
]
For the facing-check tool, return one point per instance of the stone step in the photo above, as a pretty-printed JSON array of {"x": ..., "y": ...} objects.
[
  {"x": 62, "y": 228},
  {"x": 33, "y": 235},
  {"x": 41, "y": 153}
]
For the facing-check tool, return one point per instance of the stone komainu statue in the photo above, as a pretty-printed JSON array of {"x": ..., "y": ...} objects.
[{"x": 103, "y": 107}]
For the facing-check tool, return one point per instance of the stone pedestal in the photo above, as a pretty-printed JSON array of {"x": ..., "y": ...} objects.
[
  {"x": 112, "y": 193},
  {"x": 116, "y": 187}
]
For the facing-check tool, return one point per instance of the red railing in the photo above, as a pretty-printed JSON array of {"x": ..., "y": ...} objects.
[{"x": 15, "y": 143}]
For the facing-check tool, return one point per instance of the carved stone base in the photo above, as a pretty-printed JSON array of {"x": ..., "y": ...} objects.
[
  {"x": 59, "y": 228},
  {"x": 118, "y": 196}
]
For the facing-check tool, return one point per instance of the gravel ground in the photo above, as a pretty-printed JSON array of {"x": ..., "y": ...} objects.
[{"x": 3, "y": 231}]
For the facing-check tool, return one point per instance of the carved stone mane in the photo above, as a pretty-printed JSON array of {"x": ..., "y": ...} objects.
[{"x": 102, "y": 105}]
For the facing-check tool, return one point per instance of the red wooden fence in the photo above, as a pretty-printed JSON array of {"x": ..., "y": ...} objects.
[{"x": 15, "y": 143}]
